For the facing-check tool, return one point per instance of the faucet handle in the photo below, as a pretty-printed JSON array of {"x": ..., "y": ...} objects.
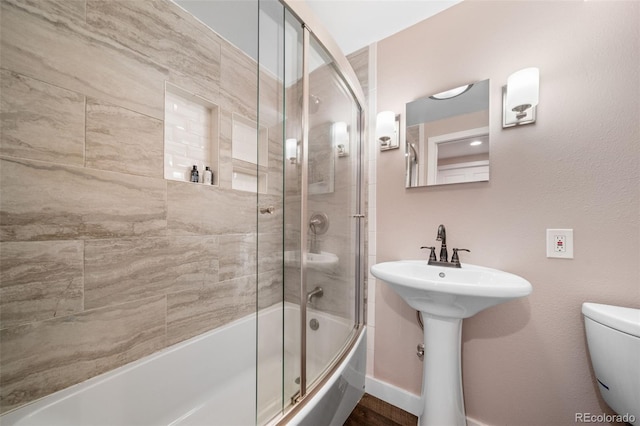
[
  {"x": 432, "y": 255},
  {"x": 454, "y": 258}
]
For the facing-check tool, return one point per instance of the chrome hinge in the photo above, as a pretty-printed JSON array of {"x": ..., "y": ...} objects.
[{"x": 358, "y": 215}]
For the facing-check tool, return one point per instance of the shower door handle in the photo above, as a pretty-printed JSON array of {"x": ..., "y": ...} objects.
[
  {"x": 267, "y": 210},
  {"x": 358, "y": 216}
]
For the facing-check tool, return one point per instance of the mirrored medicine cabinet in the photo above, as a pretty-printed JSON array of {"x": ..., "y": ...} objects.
[{"x": 447, "y": 137}]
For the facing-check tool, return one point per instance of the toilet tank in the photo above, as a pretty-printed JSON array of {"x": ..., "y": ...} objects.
[{"x": 613, "y": 337}]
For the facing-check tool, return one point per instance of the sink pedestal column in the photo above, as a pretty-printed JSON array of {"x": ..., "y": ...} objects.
[{"x": 441, "y": 377}]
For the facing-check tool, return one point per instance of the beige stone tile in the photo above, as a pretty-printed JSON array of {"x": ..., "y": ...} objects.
[
  {"x": 124, "y": 141},
  {"x": 40, "y": 358},
  {"x": 193, "y": 312},
  {"x": 64, "y": 202},
  {"x": 225, "y": 173},
  {"x": 270, "y": 289},
  {"x": 39, "y": 42},
  {"x": 292, "y": 285},
  {"x": 276, "y": 161},
  {"x": 238, "y": 82},
  {"x": 39, "y": 280},
  {"x": 271, "y": 100},
  {"x": 63, "y": 11},
  {"x": 40, "y": 121},
  {"x": 188, "y": 48},
  {"x": 237, "y": 256},
  {"x": 129, "y": 269},
  {"x": 338, "y": 293},
  {"x": 270, "y": 234},
  {"x": 359, "y": 61},
  {"x": 217, "y": 211},
  {"x": 270, "y": 251}
]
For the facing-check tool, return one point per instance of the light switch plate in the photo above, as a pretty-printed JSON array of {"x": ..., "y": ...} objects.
[{"x": 560, "y": 243}]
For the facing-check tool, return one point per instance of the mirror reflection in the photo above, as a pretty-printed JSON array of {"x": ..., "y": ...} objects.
[{"x": 447, "y": 137}]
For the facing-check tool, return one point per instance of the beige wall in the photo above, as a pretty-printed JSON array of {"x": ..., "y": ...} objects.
[
  {"x": 524, "y": 362},
  {"x": 102, "y": 260}
]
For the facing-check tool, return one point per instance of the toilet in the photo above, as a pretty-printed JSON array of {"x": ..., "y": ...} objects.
[{"x": 613, "y": 337}]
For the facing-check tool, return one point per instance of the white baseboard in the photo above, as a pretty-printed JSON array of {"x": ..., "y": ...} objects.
[
  {"x": 401, "y": 398},
  {"x": 474, "y": 422},
  {"x": 394, "y": 395}
]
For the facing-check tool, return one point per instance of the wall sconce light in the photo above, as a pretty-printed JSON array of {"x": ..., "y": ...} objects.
[
  {"x": 520, "y": 97},
  {"x": 291, "y": 150},
  {"x": 340, "y": 136},
  {"x": 388, "y": 130}
]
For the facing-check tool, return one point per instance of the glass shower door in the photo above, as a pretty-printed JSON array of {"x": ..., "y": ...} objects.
[
  {"x": 269, "y": 219},
  {"x": 278, "y": 219},
  {"x": 308, "y": 198},
  {"x": 332, "y": 206}
]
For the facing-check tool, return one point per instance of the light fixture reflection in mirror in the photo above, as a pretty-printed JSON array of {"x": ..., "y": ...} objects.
[
  {"x": 387, "y": 130},
  {"x": 340, "y": 135},
  {"x": 291, "y": 150},
  {"x": 447, "y": 139}
]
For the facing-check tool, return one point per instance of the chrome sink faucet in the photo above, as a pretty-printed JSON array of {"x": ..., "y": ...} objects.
[
  {"x": 444, "y": 255},
  {"x": 442, "y": 236}
]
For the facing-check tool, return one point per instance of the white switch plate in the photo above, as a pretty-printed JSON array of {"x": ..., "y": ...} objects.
[{"x": 560, "y": 243}]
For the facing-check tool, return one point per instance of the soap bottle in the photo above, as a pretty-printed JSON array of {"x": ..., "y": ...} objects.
[
  {"x": 207, "y": 177},
  {"x": 195, "y": 176}
]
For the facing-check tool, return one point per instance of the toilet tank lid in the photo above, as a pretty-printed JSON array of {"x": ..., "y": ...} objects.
[{"x": 619, "y": 318}]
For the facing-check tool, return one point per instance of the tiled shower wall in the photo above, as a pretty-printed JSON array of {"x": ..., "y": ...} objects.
[{"x": 102, "y": 260}]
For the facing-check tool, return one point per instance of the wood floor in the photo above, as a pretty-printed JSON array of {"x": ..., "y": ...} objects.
[{"x": 372, "y": 411}]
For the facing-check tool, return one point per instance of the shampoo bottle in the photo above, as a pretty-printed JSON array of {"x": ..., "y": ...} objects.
[
  {"x": 195, "y": 176},
  {"x": 207, "y": 177}
]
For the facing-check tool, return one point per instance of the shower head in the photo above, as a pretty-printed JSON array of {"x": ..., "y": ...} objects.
[{"x": 414, "y": 154}]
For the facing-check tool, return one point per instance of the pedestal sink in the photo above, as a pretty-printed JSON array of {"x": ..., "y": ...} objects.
[{"x": 446, "y": 296}]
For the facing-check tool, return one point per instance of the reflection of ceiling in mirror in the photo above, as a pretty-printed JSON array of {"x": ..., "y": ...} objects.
[
  {"x": 463, "y": 147},
  {"x": 426, "y": 110}
]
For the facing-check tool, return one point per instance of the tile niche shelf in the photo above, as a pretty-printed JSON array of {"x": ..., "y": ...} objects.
[
  {"x": 250, "y": 165},
  {"x": 190, "y": 135}
]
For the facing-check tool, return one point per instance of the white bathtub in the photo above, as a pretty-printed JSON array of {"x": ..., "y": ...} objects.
[{"x": 207, "y": 380}]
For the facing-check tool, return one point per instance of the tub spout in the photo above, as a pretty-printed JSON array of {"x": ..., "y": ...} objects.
[{"x": 316, "y": 292}]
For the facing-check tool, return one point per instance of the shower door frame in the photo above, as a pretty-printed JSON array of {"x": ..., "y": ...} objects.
[{"x": 311, "y": 26}]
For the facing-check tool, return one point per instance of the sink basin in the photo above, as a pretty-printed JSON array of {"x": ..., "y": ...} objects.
[
  {"x": 446, "y": 296},
  {"x": 450, "y": 292}
]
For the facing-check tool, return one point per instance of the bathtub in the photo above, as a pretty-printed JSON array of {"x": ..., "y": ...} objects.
[{"x": 207, "y": 380}]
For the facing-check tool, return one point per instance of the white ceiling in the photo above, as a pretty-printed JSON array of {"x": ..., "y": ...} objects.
[
  {"x": 352, "y": 23},
  {"x": 358, "y": 23}
]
